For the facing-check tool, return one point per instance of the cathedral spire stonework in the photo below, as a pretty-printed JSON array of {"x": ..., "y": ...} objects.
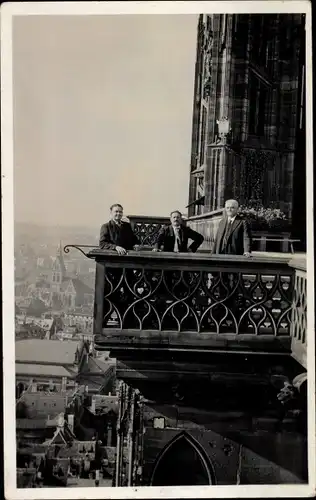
[
  {"x": 60, "y": 259},
  {"x": 58, "y": 271}
]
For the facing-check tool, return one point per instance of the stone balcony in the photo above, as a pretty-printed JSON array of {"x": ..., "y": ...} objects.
[{"x": 186, "y": 306}]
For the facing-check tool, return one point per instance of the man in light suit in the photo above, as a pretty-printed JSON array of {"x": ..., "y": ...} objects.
[
  {"x": 233, "y": 236},
  {"x": 175, "y": 236}
]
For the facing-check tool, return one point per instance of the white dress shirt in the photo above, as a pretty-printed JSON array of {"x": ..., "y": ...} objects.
[
  {"x": 231, "y": 219},
  {"x": 177, "y": 240}
]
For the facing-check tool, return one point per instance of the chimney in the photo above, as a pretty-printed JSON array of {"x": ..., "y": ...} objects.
[
  {"x": 61, "y": 420},
  {"x": 109, "y": 435},
  {"x": 91, "y": 347},
  {"x": 64, "y": 383},
  {"x": 93, "y": 405},
  {"x": 71, "y": 422}
]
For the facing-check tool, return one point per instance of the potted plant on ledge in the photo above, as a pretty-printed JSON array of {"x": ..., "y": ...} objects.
[{"x": 265, "y": 219}]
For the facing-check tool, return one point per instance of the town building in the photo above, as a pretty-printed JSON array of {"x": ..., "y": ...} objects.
[
  {"x": 65, "y": 436},
  {"x": 38, "y": 442},
  {"x": 248, "y": 135},
  {"x": 43, "y": 431},
  {"x": 54, "y": 363},
  {"x": 51, "y": 288},
  {"x": 101, "y": 414},
  {"x": 67, "y": 291},
  {"x": 47, "y": 362},
  {"x": 81, "y": 317},
  {"x": 48, "y": 326},
  {"x": 35, "y": 402}
]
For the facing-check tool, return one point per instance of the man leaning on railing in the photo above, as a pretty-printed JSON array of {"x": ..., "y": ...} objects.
[
  {"x": 175, "y": 236},
  {"x": 233, "y": 235},
  {"x": 117, "y": 234}
]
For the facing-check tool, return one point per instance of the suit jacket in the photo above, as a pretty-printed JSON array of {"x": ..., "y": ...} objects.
[
  {"x": 112, "y": 235},
  {"x": 238, "y": 240},
  {"x": 166, "y": 239}
]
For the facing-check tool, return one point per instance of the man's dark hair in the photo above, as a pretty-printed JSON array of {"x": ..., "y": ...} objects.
[
  {"x": 175, "y": 212},
  {"x": 115, "y": 205}
]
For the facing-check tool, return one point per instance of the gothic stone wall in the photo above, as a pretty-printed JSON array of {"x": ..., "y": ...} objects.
[{"x": 236, "y": 449}]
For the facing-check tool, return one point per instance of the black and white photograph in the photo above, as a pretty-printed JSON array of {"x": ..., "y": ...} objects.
[{"x": 158, "y": 279}]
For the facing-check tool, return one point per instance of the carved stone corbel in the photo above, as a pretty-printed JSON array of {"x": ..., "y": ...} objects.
[{"x": 293, "y": 398}]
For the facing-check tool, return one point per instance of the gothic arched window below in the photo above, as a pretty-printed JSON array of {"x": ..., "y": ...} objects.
[{"x": 182, "y": 462}]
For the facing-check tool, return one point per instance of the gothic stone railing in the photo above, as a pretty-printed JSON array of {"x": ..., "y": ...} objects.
[
  {"x": 299, "y": 312},
  {"x": 189, "y": 301},
  {"x": 263, "y": 241},
  {"x": 207, "y": 225},
  {"x": 147, "y": 228}
]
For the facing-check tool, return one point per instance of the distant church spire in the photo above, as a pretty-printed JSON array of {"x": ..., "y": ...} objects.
[
  {"x": 59, "y": 249},
  {"x": 58, "y": 270},
  {"x": 60, "y": 259}
]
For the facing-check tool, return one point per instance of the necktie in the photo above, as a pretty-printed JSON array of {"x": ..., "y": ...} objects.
[{"x": 177, "y": 240}]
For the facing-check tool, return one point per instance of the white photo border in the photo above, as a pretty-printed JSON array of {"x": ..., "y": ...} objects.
[{"x": 8, "y": 11}]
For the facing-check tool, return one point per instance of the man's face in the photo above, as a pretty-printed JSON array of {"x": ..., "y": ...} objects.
[
  {"x": 176, "y": 219},
  {"x": 117, "y": 213},
  {"x": 231, "y": 208}
]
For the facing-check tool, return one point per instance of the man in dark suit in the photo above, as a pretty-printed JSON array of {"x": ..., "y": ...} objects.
[
  {"x": 117, "y": 234},
  {"x": 175, "y": 236},
  {"x": 233, "y": 236}
]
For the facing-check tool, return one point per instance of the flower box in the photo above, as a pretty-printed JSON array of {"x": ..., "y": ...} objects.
[{"x": 265, "y": 219}]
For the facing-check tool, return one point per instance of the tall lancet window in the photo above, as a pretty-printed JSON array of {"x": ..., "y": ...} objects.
[
  {"x": 203, "y": 136},
  {"x": 258, "y": 96}
]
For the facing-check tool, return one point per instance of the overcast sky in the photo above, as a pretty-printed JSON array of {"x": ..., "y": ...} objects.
[{"x": 102, "y": 114}]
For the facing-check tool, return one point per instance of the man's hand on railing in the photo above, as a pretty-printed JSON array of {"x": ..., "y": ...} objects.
[
  {"x": 155, "y": 249},
  {"x": 120, "y": 250},
  {"x": 137, "y": 248},
  {"x": 247, "y": 254}
]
